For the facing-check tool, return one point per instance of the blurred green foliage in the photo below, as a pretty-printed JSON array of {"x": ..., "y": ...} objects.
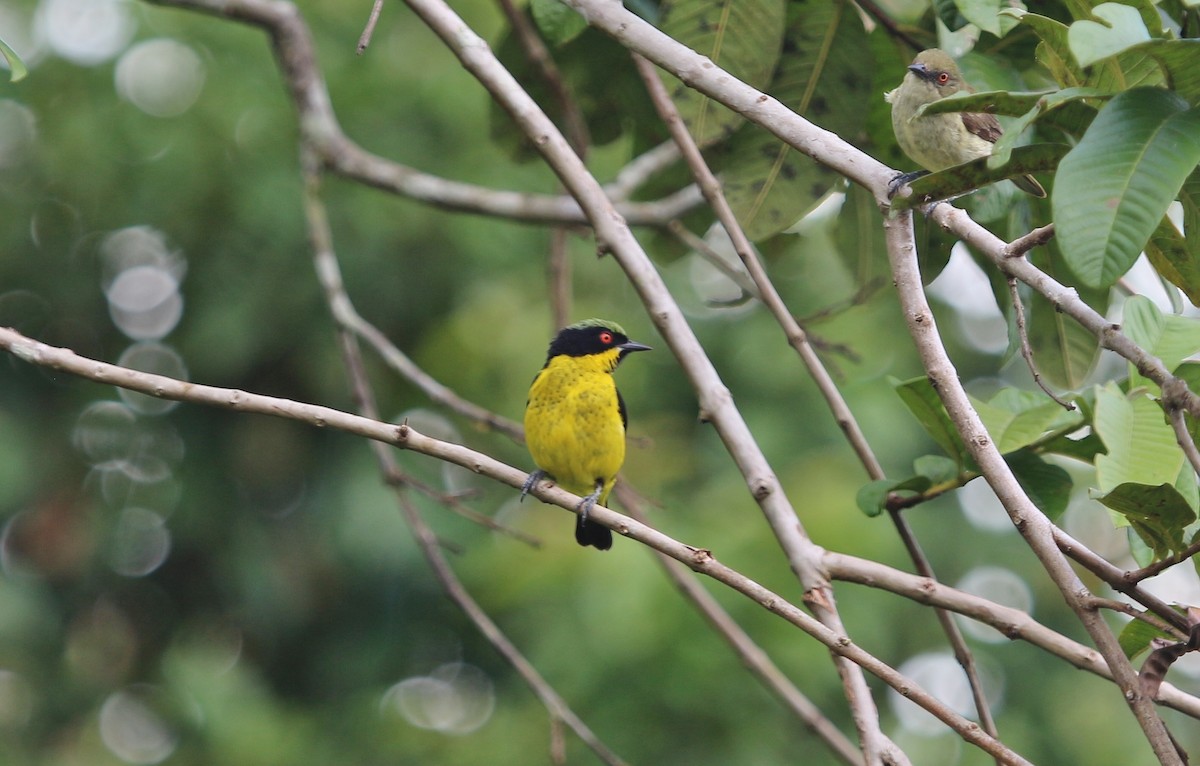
[{"x": 292, "y": 619}]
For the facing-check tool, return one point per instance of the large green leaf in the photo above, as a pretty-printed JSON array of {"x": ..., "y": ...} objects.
[
  {"x": 982, "y": 13},
  {"x": 1158, "y": 514},
  {"x": 1017, "y": 419},
  {"x": 1170, "y": 337},
  {"x": 1141, "y": 446},
  {"x": 1112, "y": 189},
  {"x": 743, "y": 37},
  {"x": 1180, "y": 62},
  {"x": 768, "y": 184},
  {"x": 923, "y": 402},
  {"x": 1120, "y": 27},
  {"x": 1048, "y": 485}
]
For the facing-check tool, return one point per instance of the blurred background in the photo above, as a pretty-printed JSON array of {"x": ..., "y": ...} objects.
[{"x": 185, "y": 585}]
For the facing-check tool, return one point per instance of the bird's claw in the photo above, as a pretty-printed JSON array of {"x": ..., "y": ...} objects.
[
  {"x": 903, "y": 179},
  {"x": 531, "y": 482}
]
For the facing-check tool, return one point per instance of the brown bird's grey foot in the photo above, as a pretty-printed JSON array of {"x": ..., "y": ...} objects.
[{"x": 904, "y": 179}]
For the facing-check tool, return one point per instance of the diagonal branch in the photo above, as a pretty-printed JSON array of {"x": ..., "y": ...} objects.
[
  {"x": 614, "y": 236},
  {"x": 320, "y": 129},
  {"x": 405, "y": 437}
]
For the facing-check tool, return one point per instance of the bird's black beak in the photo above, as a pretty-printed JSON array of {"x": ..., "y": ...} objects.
[
  {"x": 630, "y": 346},
  {"x": 920, "y": 70}
]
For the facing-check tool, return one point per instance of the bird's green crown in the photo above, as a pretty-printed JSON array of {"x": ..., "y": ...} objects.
[{"x": 606, "y": 324}]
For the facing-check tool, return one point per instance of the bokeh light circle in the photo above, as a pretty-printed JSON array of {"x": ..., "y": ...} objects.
[
  {"x": 161, "y": 77},
  {"x": 456, "y": 698}
]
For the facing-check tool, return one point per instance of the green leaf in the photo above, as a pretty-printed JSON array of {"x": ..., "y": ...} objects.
[
  {"x": 1048, "y": 485},
  {"x": 1158, "y": 514},
  {"x": 872, "y": 496},
  {"x": 743, "y": 37},
  {"x": 1120, "y": 27},
  {"x": 1180, "y": 62},
  {"x": 1141, "y": 446},
  {"x": 969, "y": 176},
  {"x": 17, "y": 69},
  {"x": 939, "y": 469},
  {"x": 557, "y": 22},
  {"x": 949, "y": 14},
  {"x": 1170, "y": 337},
  {"x": 982, "y": 13},
  {"x": 1113, "y": 189},
  {"x": 1136, "y": 636},
  {"x": 1176, "y": 258},
  {"x": 1017, "y": 419},
  {"x": 922, "y": 401},
  {"x": 1054, "y": 52},
  {"x": 768, "y": 184}
]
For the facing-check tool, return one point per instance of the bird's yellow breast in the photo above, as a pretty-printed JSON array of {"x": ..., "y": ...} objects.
[{"x": 573, "y": 422}]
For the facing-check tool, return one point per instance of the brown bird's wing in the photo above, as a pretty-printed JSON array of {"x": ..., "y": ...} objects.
[{"x": 986, "y": 126}]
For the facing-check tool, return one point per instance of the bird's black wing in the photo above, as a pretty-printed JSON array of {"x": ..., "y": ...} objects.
[{"x": 621, "y": 409}]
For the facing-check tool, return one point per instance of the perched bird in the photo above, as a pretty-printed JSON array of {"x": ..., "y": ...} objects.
[
  {"x": 575, "y": 418},
  {"x": 939, "y": 141}
]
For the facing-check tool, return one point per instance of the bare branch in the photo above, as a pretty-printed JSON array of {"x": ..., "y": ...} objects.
[
  {"x": 751, "y": 654},
  {"x": 1013, "y": 623},
  {"x": 320, "y": 129},
  {"x": 1029, "y": 521},
  {"x": 1035, "y": 238},
  {"x": 405, "y": 437},
  {"x": 369, "y": 30}
]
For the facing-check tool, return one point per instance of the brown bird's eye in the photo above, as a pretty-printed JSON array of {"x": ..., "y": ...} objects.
[
  {"x": 943, "y": 78},
  {"x": 606, "y": 337}
]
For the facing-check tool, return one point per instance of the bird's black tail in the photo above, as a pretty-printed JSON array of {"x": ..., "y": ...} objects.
[{"x": 591, "y": 533}]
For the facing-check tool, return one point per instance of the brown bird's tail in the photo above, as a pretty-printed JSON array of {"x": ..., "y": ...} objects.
[
  {"x": 1029, "y": 185},
  {"x": 591, "y": 533}
]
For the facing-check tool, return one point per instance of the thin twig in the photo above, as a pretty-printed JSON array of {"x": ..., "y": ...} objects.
[
  {"x": 1158, "y": 567},
  {"x": 1183, "y": 436},
  {"x": 641, "y": 169},
  {"x": 1036, "y": 238},
  {"x": 1026, "y": 350},
  {"x": 369, "y": 30},
  {"x": 888, "y": 23}
]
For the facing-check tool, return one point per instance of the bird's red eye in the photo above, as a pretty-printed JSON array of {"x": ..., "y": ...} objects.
[
  {"x": 606, "y": 337},
  {"x": 943, "y": 78}
]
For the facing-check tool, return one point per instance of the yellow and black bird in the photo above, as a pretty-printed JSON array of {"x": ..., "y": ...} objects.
[{"x": 575, "y": 418}]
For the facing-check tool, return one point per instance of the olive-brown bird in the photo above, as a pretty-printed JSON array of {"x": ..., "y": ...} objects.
[
  {"x": 939, "y": 141},
  {"x": 575, "y": 419}
]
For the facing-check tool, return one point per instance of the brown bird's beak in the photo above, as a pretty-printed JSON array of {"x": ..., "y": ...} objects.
[{"x": 919, "y": 70}]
